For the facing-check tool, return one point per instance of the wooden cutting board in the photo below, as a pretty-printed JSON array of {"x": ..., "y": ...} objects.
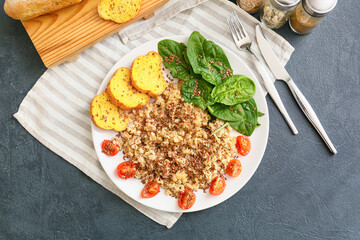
[{"x": 60, "y": 36}]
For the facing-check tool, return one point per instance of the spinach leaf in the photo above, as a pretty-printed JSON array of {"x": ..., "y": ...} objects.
[
  {"x": 187, "y": 60},
  {"x": 233, "y": 90},
  {"x": 227, "y": 113},
  {"x": 173, "y": 53},
  {"x": 207, "y": 59},
  {"x": 197, "y": 92},
  {"x": 248, "y": 124},
  {"x": 204, "y": 64}
]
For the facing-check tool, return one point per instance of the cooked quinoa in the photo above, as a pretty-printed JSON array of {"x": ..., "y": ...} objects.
[{"x": 169, "y": 142}]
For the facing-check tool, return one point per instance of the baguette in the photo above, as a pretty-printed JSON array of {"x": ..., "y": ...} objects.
[{"x": 27, "y": 9}]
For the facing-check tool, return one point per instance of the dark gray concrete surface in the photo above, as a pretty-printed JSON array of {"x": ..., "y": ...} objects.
[{"x": 300, "y": 190}]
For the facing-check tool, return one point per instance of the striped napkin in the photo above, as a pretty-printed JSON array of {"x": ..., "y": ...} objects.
[{"x": 56, "y": 110}]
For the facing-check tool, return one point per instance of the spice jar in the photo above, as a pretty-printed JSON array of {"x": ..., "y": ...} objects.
[
  {"x": 275, "y": 13},
  {"x": 251, "y": 6},
  {"x": 309, "y": 14}
]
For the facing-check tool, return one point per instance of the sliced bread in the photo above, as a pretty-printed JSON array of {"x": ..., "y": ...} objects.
[
  {"x": 123, "y": 94},
  {"x": 146, "y": 74},
  {"x": 118, "y": 10},
  {"x": 27, "y": 9},
  {"x": 106, "y": 115}
]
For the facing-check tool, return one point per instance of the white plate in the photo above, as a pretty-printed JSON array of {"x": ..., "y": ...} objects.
[{"x": 132, "y": 187}]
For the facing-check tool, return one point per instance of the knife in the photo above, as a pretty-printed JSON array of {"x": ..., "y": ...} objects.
[
  {"x": 280, "y": 73},
  {"x": 268, "y": 84}
]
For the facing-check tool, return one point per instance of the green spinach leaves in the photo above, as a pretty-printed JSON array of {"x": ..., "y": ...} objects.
[
  {"x": 209, "y": 82},
  {"x": 173, "y": 54},
  {"x": 247, "y": 124},
  {"x": 233, "y": 90},
  {"x": 242, "y": 117},
  {"x": 207, "y": 59},
  {"x": 197, "y": 92},
  {"x": 227, "y": 113}
]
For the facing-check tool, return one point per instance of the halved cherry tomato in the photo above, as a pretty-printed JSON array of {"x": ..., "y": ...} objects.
[
  {"x": 187, "y": 199},
  {"x": 150, "y": 190},
  {"x": 243, "y": 145},
  {"x": 126, "y": 170},
  {"x": 109, "y": 148},
  {"x": 217, "y": 186},
  {"x": 234, "y": 168}
]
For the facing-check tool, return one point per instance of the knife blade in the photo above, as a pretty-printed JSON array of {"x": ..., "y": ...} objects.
[
  {"x": 268, "y": 84},
  {"x": 280, "y": 73}
]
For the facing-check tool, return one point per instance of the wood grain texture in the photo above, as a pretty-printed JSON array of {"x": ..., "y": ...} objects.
[{"x": 61, "y": 35}]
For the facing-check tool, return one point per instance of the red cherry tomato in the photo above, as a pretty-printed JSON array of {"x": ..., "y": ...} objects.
[
  {"x": 150, "y": 190},
  {"x": 186, "y": 200},
  {"x": 109, "y": 148},
  {"x": 234, "y": 168},
  {"x": 217, "y": 186},
  {"x": 243, "y": 145},
  {"x": 126, "y": 170}
]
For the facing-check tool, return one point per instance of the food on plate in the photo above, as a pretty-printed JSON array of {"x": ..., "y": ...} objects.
[
  {"x": 234, "y": 168},
  {"x": 197, "y": 92},
  {"x": 27, "y": 9},
  {"x": 227, "y": 113},
  {"x": 173, "y": 54},
  {"x": 247, "y": 124},
  {"x": 179, "y": 141},
  {"x": 210, "y": 82},
  {"x": 106, "y": 115},
  {"x": 118, "y": 10},
  {"x": 186, "y": 200},
  {"x": 234, "y": 90},
  {"x": 109, "y": 148},
  {"x": 126, "y": 170},
  {"x": 146, "y": 74},
  {"x": 217, "y": 186},
  {"x": 122, "y": 93},
  {"x": 207, "y": 59},
  {"x": 243, "y": 145},
  {"x": 170, "y": 143},
  {"x": 150, "y": 190}
]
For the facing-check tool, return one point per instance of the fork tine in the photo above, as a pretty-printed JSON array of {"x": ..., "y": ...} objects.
[
  {"x": 235, "y": 31},
  {"x": 239, "y": 25},
  {"x": 236, "y": 27},
  {"x": 232, "y": 30}
]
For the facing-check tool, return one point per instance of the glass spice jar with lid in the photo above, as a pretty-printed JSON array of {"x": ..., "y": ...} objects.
[
  {"x": 250, "y": 6},
  {"x": 309, "y": 14},
  {"x": 275, "y": 13}
]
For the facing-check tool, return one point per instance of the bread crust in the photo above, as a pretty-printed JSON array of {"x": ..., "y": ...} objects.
[
  {"x": 152, "y": 74},
  {"x": 122, "y": 76},
  {"x": 118, "y": 11},
  {"x": 27, "y": 9},
  {"x": 113, "y": 113}
]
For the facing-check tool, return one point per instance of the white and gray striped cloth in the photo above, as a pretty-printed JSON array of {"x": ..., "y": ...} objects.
[{"x": 56, "y": 110}]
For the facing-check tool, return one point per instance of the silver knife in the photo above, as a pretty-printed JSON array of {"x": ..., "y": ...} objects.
[
  {"x": 268, "y": 84},
  {"x": 280, "y": 73}
]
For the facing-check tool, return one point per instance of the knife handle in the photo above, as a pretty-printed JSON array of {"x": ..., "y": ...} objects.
[
  {"x": 270, "y": 87},
  {"x": 310, "y": 114}
]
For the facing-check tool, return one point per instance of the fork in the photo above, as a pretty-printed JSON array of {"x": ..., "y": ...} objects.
[{"x": 243, "y": 42}]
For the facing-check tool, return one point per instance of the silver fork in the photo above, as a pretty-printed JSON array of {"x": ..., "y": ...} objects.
[{"x": 243, "y": 42}]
